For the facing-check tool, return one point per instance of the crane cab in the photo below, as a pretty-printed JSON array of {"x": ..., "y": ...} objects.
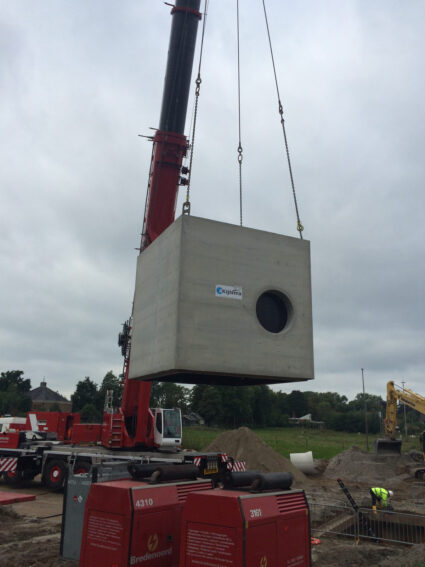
[{"x": 168, "y": 427}]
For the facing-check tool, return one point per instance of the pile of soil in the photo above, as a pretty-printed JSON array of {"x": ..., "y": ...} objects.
[
  {"x": 244, "y": 445},
  {"x": 375, "y": 470}
]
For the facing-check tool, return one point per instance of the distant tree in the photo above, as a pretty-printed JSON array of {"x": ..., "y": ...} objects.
[
  {"x": 14, "y": 389},
  {"x": 321, "y": 403},
  {"x": 86, "y": 392},
  {"x": 262, "y": 406},
  {"x": 207, "y": 401},
  {"x": 170, "y": 395},
  {"x": 280, "y": 409},
  {"x": 90, "y": 414},
  {"x": 196, "y": 395},
  {"x": 109, "y": 382},
  {"x": 374, "y": 403},
  {"x": 298, "y": 403},
  {"x": 15, "y": 377},
  {"x": 13, "y": 402}
]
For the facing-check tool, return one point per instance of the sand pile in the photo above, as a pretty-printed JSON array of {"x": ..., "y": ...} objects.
[
  {"x": 244, "y": 445},
  {"x": 357, "y": 465}
]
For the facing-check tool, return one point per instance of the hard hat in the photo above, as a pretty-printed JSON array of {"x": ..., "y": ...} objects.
[{"x": 391, "y": 493}]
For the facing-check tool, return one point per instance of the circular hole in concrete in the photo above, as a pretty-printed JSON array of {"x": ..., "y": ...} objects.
[{"x": 273, "y": 311}]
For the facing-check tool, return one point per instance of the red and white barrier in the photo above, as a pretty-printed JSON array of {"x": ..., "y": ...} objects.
[{"x": 8, "y": 464}]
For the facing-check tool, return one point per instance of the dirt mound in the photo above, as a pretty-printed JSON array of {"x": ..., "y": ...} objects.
[
  {"x": 357, "y": 465},
  {"x": 244, "y": 445}
]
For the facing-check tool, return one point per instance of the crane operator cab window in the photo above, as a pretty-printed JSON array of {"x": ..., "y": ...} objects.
[{"x": 168, "y": 427}]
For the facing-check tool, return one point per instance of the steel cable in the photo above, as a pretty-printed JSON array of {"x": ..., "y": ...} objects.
[
  {"x": 300, "y": 227},
  {"x": 240, "y": 150},
  {"x": 186, "y": 204}
]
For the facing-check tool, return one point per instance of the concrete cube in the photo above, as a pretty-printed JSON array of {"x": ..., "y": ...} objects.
[{"x": 222, "y": 304}]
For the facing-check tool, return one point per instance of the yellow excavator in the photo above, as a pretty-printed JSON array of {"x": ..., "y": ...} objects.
[{"x": 396, "y": 394}]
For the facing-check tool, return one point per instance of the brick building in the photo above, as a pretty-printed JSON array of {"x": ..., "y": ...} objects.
[{"x": 45, "y": 399}]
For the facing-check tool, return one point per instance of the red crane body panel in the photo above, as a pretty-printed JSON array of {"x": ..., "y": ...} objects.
[
  {"x": 229, "y": 528},
  {"x": 54, "y": 421},
  {"x": 9, "y": 440},
  {"x": 129, "y": 522},
  {"x": 86, "y": 433}
]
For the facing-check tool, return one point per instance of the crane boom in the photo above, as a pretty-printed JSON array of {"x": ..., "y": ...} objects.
[
  {"x": 170, "y": 144},
  {"x": 169, "y": 148}
]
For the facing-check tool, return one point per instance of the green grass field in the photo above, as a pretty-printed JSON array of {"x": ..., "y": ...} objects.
[{"x": 324, "y": 444}]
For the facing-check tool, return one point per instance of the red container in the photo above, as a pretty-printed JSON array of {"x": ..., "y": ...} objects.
[
  {"x": 9, "y": 440},
  {"x": 227, "y": 528},
  {"x": 53, "y": 421},
  {"x": 86, "y": 433},
  {"x": 134, "y": 523}
]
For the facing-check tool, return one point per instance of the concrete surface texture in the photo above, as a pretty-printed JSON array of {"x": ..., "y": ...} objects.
[{"x": 197, "y": 310}]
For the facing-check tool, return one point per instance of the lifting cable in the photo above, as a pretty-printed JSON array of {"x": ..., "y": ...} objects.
[
  {"x": 300, "y": 227},
  {"x": 186, "y": 204},
  {"x": 240, "y": 151}
]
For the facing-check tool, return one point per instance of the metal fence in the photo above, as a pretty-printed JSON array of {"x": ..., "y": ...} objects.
[
  {"x": 382, "y": 525},
  {"x": 417, "y": 496},
  {"x": 333, "y": 519}
]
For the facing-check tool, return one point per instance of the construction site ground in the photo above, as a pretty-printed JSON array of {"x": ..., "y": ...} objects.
[{"x": 31, "y": 530}]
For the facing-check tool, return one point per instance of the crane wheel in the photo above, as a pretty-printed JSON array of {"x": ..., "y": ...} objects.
[
  {"x": 82, "y": 467},
  {"x": 13, "y": 478},
  {"x": 54, "y": 474}
]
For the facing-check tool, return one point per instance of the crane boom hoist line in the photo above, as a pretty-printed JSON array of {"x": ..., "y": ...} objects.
[{"x": 165, "y": 176}]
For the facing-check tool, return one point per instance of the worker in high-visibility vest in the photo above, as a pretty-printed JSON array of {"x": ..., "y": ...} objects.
[{"x": 380, "y": 496}]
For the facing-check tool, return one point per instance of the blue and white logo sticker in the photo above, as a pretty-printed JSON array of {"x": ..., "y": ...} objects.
[{"x": 228, "y": 291}]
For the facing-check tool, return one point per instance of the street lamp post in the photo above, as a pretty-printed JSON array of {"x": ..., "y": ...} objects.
[{"x": 365, "y": 413}]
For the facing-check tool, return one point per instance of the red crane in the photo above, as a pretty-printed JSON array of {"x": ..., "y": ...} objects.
[{"x": 135, "y": 423}]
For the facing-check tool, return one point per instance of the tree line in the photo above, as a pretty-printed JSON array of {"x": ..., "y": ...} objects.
[
  {"x": 14, "y": 393},
  {"x": 219, "y": 406}
]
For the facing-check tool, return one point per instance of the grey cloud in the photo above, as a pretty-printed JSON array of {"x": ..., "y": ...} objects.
[{"x": 80, "y": 80}]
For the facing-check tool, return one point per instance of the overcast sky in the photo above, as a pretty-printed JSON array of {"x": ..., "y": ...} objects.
[{"x": 81, "y": 79}]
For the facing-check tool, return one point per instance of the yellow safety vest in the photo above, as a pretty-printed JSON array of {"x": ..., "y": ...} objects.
[{"x": 381, "y": 494}]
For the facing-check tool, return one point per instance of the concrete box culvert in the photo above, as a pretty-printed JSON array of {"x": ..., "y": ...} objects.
[{"x": 219, "y": 303}]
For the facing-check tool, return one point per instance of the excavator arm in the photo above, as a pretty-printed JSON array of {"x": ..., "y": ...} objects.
[
  {"x": 406, "y": 396},
  {"x": 394, "y": 394},
  {"x": 390, "y": 421}
]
